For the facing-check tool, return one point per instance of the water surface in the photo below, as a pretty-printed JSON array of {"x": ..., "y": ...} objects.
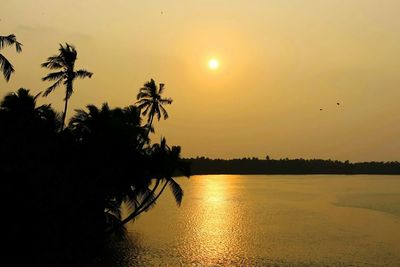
[{"x": 274, "y": 220}]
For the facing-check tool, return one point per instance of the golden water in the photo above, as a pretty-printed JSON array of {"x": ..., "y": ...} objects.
[{"x": 278, "y": 220}]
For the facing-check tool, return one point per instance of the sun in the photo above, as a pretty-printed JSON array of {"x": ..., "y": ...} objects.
[{"x": 213, "y": 64}]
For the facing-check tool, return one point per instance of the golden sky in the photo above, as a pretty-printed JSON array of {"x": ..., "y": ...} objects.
[{"x": 281, "y": 61}]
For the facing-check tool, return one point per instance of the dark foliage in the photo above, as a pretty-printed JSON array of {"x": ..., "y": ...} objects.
[
  {"x": 64, "y": 189},
  {"x": 202, "y": 165}
]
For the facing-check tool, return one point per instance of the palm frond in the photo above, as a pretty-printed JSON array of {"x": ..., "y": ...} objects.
[
  {"x": 176, "y": 191},
  {"x": 157, "y": 111},
  {"x": 164, "y": 112},
  {"x": 18, "y": 47},
  {"x": 6, "y": 67},
  {"x": 52, "y": 88},
  {"x": 146, "y": 110},
  {"x": 145, "y": 89},
  {"x": 148, "y": 199},
  {"x": 53, "y": 65},
  {"x": 83, "y": 74},
  {"x": 166, "y": 101},
  {"x": 144, "y": 101},
  {"x": 54, "y": 76},
  {"x": 132, "y": 201},
  {"x": 54, "y": 62},
  {"x": 10, "y": 40},
  {"x": 143, "y": 94},
  {"x": 6, "y": 40}
]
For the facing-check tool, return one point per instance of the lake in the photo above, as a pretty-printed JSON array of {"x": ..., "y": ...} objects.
[{"x": 271, "y": 220}]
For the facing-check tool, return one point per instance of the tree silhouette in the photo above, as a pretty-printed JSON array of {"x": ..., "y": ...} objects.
[
  {"x": 65, "y": 63},
  {"x": 21, "y": 101},
  {"x": 151, "y": 103},
  {"x": 110, "y": 138},
  {"x": 165, "y": 162},
  {"x": 5, "y": 65},
  {"x": 72, "y": 184},
  {"x": 21, "y": 108}
]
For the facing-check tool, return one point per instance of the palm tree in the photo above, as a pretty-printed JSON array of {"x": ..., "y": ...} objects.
[
  {"x": 165, "y": 162},
  {"x": 21, "y": 108},
  {"x": 151, "y": 103},
  {"x": 21, "y": 101},
  {"x": 5, "y": 65},
  {"x": 65, "y": 63}
]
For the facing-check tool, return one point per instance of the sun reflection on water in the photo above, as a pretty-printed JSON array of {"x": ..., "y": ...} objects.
[{"x": 216, "y": 233}]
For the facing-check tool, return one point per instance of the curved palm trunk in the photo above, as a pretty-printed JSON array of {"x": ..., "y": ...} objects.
[
  {"x": 142, "y": 207},
  {"x": 132, "y": 215},
  {"x": 150, "y": 203}
]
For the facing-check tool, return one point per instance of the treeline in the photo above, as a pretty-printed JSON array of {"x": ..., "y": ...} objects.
[{"x": 202, "y": 165}]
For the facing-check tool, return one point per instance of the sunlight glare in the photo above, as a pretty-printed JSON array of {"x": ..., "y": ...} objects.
[{"x": 213, "y": 64}]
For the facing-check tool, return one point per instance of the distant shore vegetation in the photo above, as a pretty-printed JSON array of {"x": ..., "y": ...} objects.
[{"x": 253, "y": 165}]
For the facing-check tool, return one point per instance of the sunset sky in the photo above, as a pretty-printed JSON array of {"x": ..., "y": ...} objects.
[{"x": 280, "y": 62}]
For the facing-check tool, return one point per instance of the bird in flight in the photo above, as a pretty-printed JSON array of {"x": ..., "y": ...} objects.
[
  {"x": 338, "y": 103},
  {"x": 320, "y": 109}
]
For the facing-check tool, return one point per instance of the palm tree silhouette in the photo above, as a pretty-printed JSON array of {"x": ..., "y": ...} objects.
[
  {"x": 65, "y": 63},
  {"x": 21, "y": 101},
  {"x": 5, "y": 65},
  {"x": 151, "y": 104},
  {"x": 165, "y": 162},
  {"x": 22, "y": 109}
]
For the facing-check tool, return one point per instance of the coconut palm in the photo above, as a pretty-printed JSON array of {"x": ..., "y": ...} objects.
[
  {"x": 151, "y": 103},
  {"x": 5, "y": 66},
  {"x": 64, "y": 62},
  {"x": 20, "y": 101},
  {"x": 165, "y": 162},
  {"x": 21, "y": 108}
]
